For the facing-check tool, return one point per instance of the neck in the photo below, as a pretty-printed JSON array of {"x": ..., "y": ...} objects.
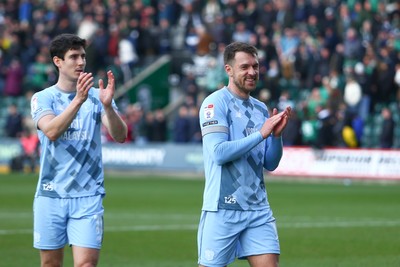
[
  {"x": 237, "y": 92},
  {"x": 66, "y": 86}
]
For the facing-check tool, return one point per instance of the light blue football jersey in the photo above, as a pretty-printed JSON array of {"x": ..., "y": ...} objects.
[
  {"x": 71, "y": 166},
  {"x": 238, "y": 183}
]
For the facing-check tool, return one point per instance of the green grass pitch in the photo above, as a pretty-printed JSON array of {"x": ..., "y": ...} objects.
[{"x": 151, "y": 221}]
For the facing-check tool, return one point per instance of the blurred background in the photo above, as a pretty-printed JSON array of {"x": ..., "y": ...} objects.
[{"x": 337, "y": 63}]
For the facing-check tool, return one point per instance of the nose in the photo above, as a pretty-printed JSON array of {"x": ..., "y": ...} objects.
[
  {"x": 81, "y": 61},
  {"x": 252, "y": 71}
]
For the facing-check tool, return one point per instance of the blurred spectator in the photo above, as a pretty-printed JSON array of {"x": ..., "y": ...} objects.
[
  {"x": 348, "y": 134},
  {"x": 205, "y": 40},
  {"x": 286, "y": 47},
  {"x": 387, "y": 132},
  {"x": 194, "y": 125},
  {"x": 272, "y": 79},
  {"x": 357, "y": 124},
  {"x": 181, "y": 125},
  {"x": 164, "y": 36},
  {"x": 385, "y": 74},
  {"x": 315, "y": 101},
  {"x": 285, "y": 100},
  {"x": 284, "y": 14},
  {"x": 39, "y": 73},
  {"x": 364, "y": 74},
  {"x": 309, "y": 128},
  {"x": 14, "y": 78},
  {"x": 14, "y": 122},
  {"x": 155, "y": 126},
  {"x": 215, "y": 76},
  {"x": 211, "y": 11},
  {"x": 189, "y": 86},
  {"x": 127, "y": 56},
  {"x": 30, "y": 150},
  {"x": 218, "y": 30},
  {"x": 139, "y": 125},
  {"x": 325, "y": 127},
  {"x": 352, "y": 95},
  {"x": 292, "y": 134},
  {"x": 352, "y": 46},
  {"x": 241, "y": 33}
]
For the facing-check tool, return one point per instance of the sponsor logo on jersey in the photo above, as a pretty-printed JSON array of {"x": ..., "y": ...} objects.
[
  {"x": 209, "y": 111},
  {"x": 34, "y": 103},
  {"x": 210, "y": 123},
  {"x": 74, "y": 135},
  {"x": 35, "y": 106}
]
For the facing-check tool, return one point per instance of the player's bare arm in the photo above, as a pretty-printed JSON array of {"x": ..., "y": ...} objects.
[
  {"x": 54, "y": 126},
  {"x": 113, "y": 122}
]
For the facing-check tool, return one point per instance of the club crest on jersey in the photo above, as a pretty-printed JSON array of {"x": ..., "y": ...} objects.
[{"x": 209, "y": 111}]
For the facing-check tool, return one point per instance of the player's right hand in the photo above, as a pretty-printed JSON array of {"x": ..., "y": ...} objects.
[
  {"x": 271, "y": 122},
  {"x": 85, "y": 82}
]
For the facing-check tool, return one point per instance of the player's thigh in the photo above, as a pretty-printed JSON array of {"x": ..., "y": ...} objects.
[
  {"x": 260, "y": 237},
  {"x": 264, "y": 260},
  {"x": 85, "y": 225},
  {"x": 49, "y": 223},
  {"x": 85, "y": 256},
  {"x": 52, "y": 258},
  {"x": 218, "y": 237}
]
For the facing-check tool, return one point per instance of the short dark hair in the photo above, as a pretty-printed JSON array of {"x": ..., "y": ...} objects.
[
  {"x": 233, "y": 48},
  {"x": 62, "y": 43}
]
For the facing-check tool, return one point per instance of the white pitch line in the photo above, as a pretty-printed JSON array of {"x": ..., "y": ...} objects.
[
  {"x": 185, "y": 227},
  {"x": 338, "y": 224}
]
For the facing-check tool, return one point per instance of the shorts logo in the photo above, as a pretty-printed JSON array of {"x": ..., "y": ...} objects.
[
  {"x": 209, "y": 254},
  {"x": 209, "y": 112},
  {"x": 36, "y": 237}
]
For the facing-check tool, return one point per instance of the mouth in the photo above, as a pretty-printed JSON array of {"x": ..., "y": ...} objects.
[{"x": 251, "y": 81}]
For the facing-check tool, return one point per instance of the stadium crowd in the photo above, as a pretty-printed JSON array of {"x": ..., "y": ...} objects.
[{"x": 337, "y": 63}]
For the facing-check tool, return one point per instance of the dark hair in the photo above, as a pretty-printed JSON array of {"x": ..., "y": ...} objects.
[
  {"x": 233, "y": 48},
  {"x": 61, "y": 44}
]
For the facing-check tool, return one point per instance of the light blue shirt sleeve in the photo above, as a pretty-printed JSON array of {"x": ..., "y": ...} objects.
[
  {"x": 222, "y": 150},
  {"x": 273, "y": 152}
]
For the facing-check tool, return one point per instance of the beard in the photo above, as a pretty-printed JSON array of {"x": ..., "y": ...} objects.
[{"x": 243, "y": 86}]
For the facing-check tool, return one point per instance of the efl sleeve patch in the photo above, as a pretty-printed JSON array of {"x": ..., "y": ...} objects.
[{"x": 209, "y": 112}]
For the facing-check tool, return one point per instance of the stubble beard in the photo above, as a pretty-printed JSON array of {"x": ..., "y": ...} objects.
[{"x": 242, "y": 86}]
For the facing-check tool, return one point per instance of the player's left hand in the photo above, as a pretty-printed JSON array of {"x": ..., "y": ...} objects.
[
  {"x": 278, "y": 129},
  {"x": 107, "y": 94}
]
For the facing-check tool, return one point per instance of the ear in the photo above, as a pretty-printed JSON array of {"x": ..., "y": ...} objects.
[
  {"x": 228, "y": 70},
  {"x": 57, "y": 61}
]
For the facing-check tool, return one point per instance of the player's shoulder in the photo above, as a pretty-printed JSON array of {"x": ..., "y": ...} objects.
[
  {"x": 257, "y": 102},
  {"x": 219, "y": 96},
  {"x": 46, "y": 92}
]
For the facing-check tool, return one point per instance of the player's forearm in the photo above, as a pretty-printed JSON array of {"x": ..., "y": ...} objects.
[
  {"x": 54, "y": 126},
  {"x": 115, "y": 125},
  {"x": 273, "y": 153},
  {"x": 224, "y": 151}
]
